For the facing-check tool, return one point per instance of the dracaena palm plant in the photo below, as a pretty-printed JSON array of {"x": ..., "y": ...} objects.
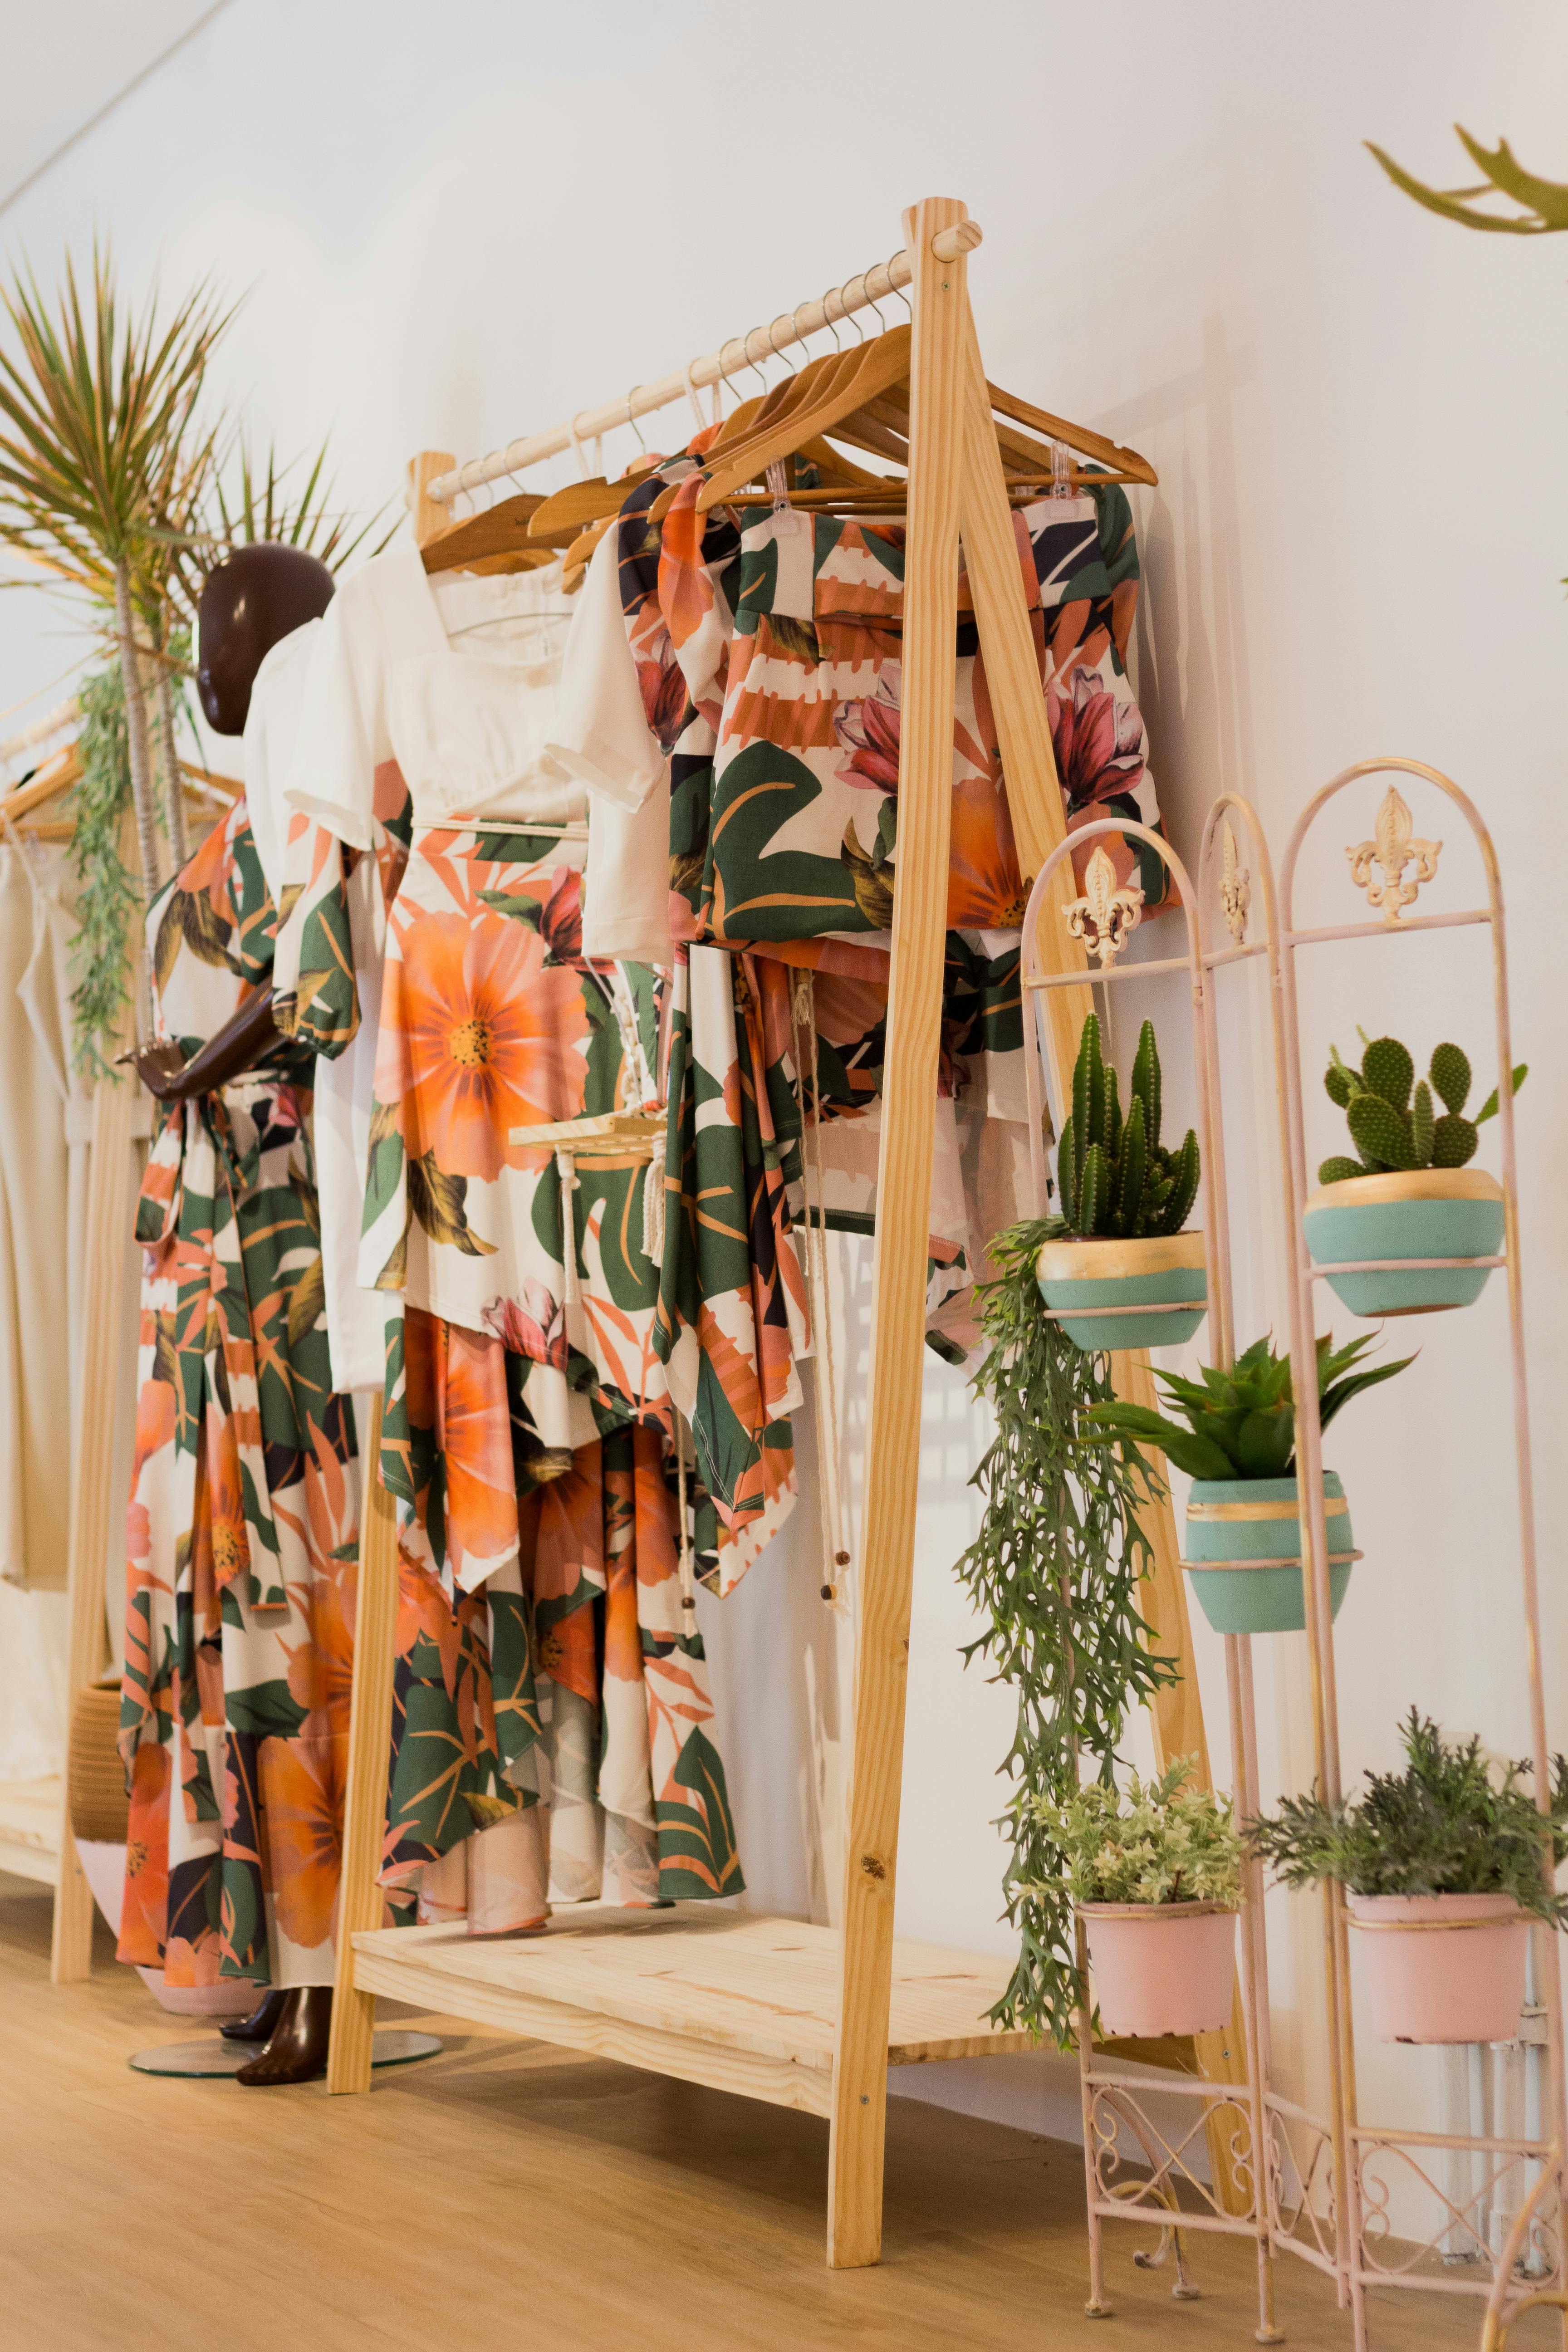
[
  {"x": 1242, "y": 1423},
  {"x": 105, "y": 461}
]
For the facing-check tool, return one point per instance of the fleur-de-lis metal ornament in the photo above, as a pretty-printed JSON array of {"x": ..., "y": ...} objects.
[
  {"x": 1109, "y": 911},
  {"x": 1235, "y": 887},
  {"x": 1393, "y": 847}
]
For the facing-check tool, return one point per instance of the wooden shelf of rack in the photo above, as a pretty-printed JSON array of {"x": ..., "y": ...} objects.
[
  {"x": 30, "y": 1830},
  {"x": 739, "y": 2003}
]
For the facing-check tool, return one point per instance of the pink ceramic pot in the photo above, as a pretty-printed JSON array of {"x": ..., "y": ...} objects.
[
  {"x": 1161, "y": 1967},
  {"x": 1431, "y": 1977}
]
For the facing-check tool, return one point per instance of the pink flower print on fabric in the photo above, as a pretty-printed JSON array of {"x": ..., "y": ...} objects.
[
  {"x": 869, "y": 732},
  {"x": 534, "y": 1324},
  {"x": 1100, "y": 741}
]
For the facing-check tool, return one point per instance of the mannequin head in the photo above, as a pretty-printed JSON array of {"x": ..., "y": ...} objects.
[{"x": 254, "y": 597}]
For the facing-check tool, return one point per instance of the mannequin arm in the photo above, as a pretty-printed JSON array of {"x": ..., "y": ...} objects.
[{"x": 239, "y": 1046}]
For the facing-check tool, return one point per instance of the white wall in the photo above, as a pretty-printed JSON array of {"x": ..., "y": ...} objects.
[{"x": 455, "y": 229}]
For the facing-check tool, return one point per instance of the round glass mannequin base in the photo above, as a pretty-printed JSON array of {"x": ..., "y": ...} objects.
[{"x": 215, "y": 2056}]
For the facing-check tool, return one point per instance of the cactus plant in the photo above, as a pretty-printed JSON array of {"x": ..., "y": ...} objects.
[
  {"x": 1392, "y": 1116},
  {"x": 1114, "y": 1176}
]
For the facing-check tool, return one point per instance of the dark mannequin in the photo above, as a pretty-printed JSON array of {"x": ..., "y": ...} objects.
[
  {"x": 251, "y": 600},
  {"x": 259, "y": 595}
]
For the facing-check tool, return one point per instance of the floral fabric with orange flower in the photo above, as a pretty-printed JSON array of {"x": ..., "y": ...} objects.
[
  {"x": 242, "y": 1530},
  {"x": 493, "y": 1024},
  {"x": 552, "y": 1727}
]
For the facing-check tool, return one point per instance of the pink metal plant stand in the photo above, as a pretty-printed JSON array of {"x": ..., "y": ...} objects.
[{"x": 1318, "y": 2193}]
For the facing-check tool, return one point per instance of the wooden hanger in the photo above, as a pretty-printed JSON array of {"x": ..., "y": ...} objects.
[
  {"x": 563, "y": 513},
  {"x": 858, "y": 376},
  {"x": 496, "y": 540}
]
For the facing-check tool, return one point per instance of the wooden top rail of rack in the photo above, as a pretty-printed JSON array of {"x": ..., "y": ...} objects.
[{"x": 743, "y": 2004}]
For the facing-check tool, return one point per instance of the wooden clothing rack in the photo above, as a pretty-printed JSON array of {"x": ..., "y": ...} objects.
[{"x": 781, "y": 2010}]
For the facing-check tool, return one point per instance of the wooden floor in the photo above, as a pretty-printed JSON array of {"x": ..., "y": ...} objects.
[{"x": 511, "y": 2198}]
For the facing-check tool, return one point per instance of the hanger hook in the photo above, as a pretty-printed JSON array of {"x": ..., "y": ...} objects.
[
  {"x": 577, "y": 447},
  {"x": 827, "y": 322},
  {"x": 773, "y": 346},
  {"x": 898, "y": 290},
  {"x": 631, "y": 420},
  {"x": 691, "y": 396},
  {"x": 865, "y": 290},
  {"x": 846, "y": 314},
  {"x": 751, "y": 363}
]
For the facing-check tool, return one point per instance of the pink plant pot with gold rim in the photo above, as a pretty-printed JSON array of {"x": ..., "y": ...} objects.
[
  {"x": 1161, "y": 1967},
  {"x": 1443, "y": 1968}
]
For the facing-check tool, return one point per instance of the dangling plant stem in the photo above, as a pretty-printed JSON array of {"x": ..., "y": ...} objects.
[
  {"x": 138, "y": 743},
  {"x": 1054, "y": 1572},
  {"x": 174, "y": 794},
  {"x": 105, "y": 902}
]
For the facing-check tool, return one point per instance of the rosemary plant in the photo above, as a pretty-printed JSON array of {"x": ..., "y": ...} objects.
[{"x": 1053, "y": 1572}]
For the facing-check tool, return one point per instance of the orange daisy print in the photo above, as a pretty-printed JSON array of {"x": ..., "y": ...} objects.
[{"x": 487, "y": 1037}]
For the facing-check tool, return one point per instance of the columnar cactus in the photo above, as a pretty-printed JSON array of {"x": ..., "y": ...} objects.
[
  {"x": 1393, "y": 1119},
  {"x": 1114, "y": 1176}
]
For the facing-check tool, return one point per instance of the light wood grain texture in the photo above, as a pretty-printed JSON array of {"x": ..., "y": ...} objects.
[
  {"x": 509, "y": 2197},
  {"x": 430, "y": 518},
  {"x": 903, "y": 1222},
  {"x": 360, "y": 1901},
  {"x": 1035, "y": 801},
  {"x": 31, "y": 1813},
  {"x": 743, "y": 2003},
  {"x": 103, "y": 1271}
]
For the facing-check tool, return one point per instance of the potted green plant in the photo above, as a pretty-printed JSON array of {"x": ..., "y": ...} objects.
[
  {"x": 1238, "y": 1447},
  {"x": 1412, "y": 1192},
  {"x": 1118, "y": 1241},
  {"x": 1443, "y": 1864},
  {"x": 1156, "y": 1880}
]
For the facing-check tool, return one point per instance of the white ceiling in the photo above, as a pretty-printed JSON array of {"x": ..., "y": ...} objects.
[{"x": 66, "y": 62}]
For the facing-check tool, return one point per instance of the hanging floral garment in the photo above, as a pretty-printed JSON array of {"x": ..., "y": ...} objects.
[
  {"x": 242, "y": 1533},
  {"x": 550, "y": 1712}
]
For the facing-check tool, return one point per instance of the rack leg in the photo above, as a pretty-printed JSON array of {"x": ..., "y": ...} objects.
[
  {"x": 903, "y": 1221},
  {"x": 370, "y": 1734}
]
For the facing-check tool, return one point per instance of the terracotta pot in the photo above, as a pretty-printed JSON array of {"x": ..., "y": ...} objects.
[
  {"x": 1163, "y": 1274},
  {"x": 1434, "y": 1975},
  {"x": 1161, "y": 1967}
]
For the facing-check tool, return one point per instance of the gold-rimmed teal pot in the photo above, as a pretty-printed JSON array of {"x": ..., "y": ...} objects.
[
  {"x": 1238, "y": 1529},
  {"x": 1163, "y": 1279},
  {"x": 1414, "y": 1213}
]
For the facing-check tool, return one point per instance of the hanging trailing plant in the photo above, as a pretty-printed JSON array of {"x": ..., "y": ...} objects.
[
  {"x": 1053, "y": 1572},
  {"x": 108, "y": 901}
]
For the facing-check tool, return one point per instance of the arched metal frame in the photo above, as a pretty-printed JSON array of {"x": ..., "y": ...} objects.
[
  {"x": 1540, "y": 2220},
  {"x": 1110, "y": 2094}
]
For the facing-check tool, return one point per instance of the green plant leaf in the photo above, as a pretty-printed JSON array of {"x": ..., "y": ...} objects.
[
  {"x": 1451, "y": 1077},
  {"x": 1421, "y": 1124},
  {"x": 1265, "y": 1442},
  {"x": 1334, "y": 1399},
  {"x": 1489, "y": 1109},
  {"x": 1198, "y": 1455},
  {"x": 1387, "y": 1068},
  {"x": 1454, "y": 1142},
  {"x": 1381, "y": 1134},
  {"x": 1340, "y": 1171}
]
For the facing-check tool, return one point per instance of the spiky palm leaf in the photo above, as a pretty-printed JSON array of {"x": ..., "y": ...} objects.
[{"x": 1543, "y": 203}]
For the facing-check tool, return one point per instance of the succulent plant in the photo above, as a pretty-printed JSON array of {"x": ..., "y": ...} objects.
[
  {"x": 1393, "y": 1117},
  {"x": 1242, "y": 1423},
  {"x": 1114, "y": 1176}
]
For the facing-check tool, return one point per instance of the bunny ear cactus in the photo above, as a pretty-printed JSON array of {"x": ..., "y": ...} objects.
[
  {"x": 1393, "y": 1117},
  {"x": 1116, "y": 1178}
]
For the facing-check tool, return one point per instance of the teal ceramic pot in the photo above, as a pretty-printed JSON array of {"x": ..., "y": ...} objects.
[
  {"x": 1164, "y": 1273},
  {"x": 1256, "y": 1519},
  {"x": 1407, "y": 1212}
]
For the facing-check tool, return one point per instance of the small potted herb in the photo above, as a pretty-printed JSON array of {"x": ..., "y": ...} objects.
[
  {"x": 1157, "y": 1883},
  {"x": 1124, "y": 1199},
  {"x": 1444, "y": 1867},
  {"x": 1238, "y": 1447},
  {"x": 1412, "y": 1192}
]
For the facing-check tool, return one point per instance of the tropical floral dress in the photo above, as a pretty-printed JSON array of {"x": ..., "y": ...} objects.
[
  {"x": 242, "y": 1535},
  {"x": 551, "y": 1706}
]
